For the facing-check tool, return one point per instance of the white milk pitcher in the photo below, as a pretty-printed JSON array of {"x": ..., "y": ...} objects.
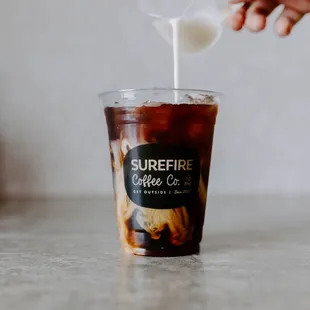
[{"x": 195, "y": 24}]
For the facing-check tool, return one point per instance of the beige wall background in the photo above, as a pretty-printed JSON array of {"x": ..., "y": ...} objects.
[{"x": 56, "y": 56}]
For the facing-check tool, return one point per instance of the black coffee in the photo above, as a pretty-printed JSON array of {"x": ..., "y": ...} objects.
[{"x": 161, "y": 157}]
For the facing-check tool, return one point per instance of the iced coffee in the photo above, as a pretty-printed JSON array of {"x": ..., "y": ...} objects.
[{"x": 160, "y": 154}]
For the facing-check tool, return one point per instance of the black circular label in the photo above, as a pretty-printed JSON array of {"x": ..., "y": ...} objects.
[{"x": 161, "y": 176}]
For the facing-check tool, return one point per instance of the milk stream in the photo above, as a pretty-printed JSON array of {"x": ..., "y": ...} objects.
[
  {"x": 176, "y": 52},
  {"x": 189, "y": 35}
]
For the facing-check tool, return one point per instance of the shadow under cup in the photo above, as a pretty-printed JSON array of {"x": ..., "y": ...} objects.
[{"x": 160, "y": 144}]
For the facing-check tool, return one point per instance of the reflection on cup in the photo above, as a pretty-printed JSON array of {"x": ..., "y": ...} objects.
[{"x": 160, "y": 154}]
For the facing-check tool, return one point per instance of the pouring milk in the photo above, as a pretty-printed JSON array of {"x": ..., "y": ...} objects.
[
  {"x": 192, "y": 29},
  {"x": 188, "y": 36}
]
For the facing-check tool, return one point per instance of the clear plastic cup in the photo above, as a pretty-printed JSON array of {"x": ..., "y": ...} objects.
[{"x": 160, "y": 154}]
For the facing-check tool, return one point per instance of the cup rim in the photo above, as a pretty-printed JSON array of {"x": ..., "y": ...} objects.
[{"x": 131, "y": 90}]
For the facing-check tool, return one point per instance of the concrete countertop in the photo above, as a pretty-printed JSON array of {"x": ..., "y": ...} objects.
[{"x": 66, "y": 255}]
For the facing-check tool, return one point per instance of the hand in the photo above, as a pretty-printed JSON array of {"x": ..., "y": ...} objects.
[{"x": 253, "y": 14}]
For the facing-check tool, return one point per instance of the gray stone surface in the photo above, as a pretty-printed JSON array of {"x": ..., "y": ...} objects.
[{"x": 65, "y": 255}]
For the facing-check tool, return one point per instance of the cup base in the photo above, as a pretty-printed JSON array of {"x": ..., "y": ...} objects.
[{"x": 189, "y": 249}]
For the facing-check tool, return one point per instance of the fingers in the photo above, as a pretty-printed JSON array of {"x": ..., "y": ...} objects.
[
  {"x": 237, "y": 20},
  {"x": 287, "y": 20},
  {"x": 257, "y": 13},
  {"x": 253, "y": 14}
]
